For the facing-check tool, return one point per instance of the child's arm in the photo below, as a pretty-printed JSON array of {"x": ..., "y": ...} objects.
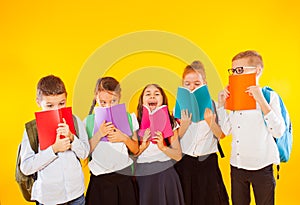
[
  {"x": 104, "y": 130},
  {"x": 174, "y": 150},
  {"x": 31, "y": 162},
  {"x": 145, "y": 142},
  {"x": 118, "y": 136},
  {"x": 210, "y": 119},
  {"x": 185, "y": 121}
]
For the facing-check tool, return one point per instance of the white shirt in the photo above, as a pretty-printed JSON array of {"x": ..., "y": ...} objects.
[
  {"x": 253, "y": 146},
  {"x": 109, "y": 157},
  {"x": 198, "y": 140},
  {"x": 60, "y": 178},
  {"x": 153, "y": 154}
]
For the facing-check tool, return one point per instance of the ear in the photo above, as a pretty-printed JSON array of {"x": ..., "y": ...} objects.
[
  {"x": 259, "y": 71},
  {"x": 38, "y": 102}
]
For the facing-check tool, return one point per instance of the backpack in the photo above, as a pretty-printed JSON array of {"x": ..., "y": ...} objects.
[
  {"x": 25, "y": 182},
  {"x": 284, "y": 143}
]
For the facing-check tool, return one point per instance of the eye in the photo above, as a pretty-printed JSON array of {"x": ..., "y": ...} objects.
[
  {"x": 147, "y": 94},
  {"x": 49, "y": 106},
  {"x": 62, "y": 103},
  {"x": 186, "y": 84}
]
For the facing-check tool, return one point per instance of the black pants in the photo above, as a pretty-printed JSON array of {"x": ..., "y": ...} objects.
[{"x": 262, "y": 181}]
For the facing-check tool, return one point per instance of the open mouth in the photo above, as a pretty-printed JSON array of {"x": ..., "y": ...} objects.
[{"x": 152, "y": 105}]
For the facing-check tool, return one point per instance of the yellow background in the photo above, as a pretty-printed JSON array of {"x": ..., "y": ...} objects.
[{"x": 38, "y": 38}]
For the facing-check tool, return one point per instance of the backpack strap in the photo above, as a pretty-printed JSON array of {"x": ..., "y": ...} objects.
[
  {"x": 32, "y": 135},
  {"x": 267, "y": 95},
  {"x": 217, "y": 121},
  {"x": 76, "y": 125},
  {"x": 130, "y": 122},
  {"x": 90, "y": 120}
]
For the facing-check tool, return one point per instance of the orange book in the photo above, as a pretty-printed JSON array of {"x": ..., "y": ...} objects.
[
  {"x": 47, "y": 123},
  {"x": 238, "y": 98}
]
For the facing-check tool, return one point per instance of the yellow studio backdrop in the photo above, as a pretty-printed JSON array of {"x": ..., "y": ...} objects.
[{"x": 38, "y": 38}]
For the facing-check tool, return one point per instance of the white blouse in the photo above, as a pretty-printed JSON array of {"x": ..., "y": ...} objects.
[{"x": 109, "y": 157}]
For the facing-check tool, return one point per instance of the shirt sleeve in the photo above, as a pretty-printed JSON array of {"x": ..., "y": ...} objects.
[
  {"x": 81, "y": 145},
  {"x": 224, "y": 122},
  {"x": 135, "y": 124},
  {"x": 32, "y": 162},
  {"x": 274, "y": 120}
]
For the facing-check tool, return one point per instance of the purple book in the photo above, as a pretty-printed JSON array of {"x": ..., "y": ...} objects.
[{"x": 116, "y": 114}]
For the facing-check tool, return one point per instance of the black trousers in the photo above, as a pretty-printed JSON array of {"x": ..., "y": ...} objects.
[{"x": 262, "y": 181}]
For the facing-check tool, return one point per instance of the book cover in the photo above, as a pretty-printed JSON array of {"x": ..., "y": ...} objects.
[
  {"x": 116, "y": 114},
  {"x": 195, "y": 102},
  {"x": 157, "y": 120},
  {"x": 238, "y": 98},
  {"x": 47, "y": 123}
]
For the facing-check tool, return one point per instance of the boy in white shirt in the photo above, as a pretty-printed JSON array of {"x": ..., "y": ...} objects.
[
  {"x": 254, "y": 150},
  {"x": 60, "y": 178}
]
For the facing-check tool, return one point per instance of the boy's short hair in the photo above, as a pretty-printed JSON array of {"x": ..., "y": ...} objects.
[
  {"x": 253, "y": 56},
  {"x": 50, "y": 85}
]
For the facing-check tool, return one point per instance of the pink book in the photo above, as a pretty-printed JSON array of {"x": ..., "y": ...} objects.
[
  {"x": 157, "y": 120},
  {"x": 47, "y": 123}
]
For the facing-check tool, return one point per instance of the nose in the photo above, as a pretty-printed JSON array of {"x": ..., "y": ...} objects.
[{"x": 192, "y": 87}]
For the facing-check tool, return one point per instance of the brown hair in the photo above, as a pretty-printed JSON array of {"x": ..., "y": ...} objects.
[
  {"x": 50, "y": 85},
  {"x": 196, "y": 66},
  {"x": 108, "y": 84},
  {"x": 165, "y": 102},
  {"x": 253, "y": 56}
]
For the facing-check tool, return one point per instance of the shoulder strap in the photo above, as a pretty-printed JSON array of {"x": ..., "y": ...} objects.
[
  {"x": 130, "y": 121},
  {"x": 32, "y": 135},
  {"x": 76, "y": 125},
  {"x": 217, "y": 121},
  {"x": 90, "y": 120},
  {"x": 267, "y": 93}
]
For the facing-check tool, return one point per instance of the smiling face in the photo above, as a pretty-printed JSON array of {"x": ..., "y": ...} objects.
[{"x": 152, "y": 97}]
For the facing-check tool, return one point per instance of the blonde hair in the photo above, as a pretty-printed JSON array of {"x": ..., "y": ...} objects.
[{"x": 253, "y": 57}]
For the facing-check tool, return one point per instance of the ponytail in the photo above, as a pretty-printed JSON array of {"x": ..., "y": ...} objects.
[{"x": 92, "y": 106}]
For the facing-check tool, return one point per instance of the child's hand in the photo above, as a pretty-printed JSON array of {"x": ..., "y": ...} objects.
[
  {"x": 186, "y": 119},
  {"x": 61, "y": 145},
  {"x": 105, "y": 129},
  {"x": 256, "y": 92},
  {"x": 223, "y": 95},
  {"x": 147, "y": 135},
  {"x": 64, "y": 130},
  {"x": 209, "y": 116},
  {"x": 117, "y": 136},
  {"x": 159, "y": 139}
]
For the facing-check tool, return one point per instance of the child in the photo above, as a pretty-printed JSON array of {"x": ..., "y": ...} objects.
[
  {"x": 157, "y": 179},
  {"x": 198, "y": 170},
  {"x": 253, "y": 147},
  {"x": 111, "y": 181},
  {"x": 59, "y": 174}
]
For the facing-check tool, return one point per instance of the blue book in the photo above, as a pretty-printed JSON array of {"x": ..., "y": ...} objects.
[{"x": 195, "y": 102}]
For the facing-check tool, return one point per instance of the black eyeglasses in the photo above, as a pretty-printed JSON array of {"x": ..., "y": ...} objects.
[{"x": 239, "y": 70}]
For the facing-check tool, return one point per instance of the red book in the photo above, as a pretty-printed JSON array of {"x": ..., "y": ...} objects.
[
  {"x": 157, "y": 120},
  {"x": 47, "y": 123}
]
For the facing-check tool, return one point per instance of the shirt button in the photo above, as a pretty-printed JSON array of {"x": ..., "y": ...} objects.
[
  {"x": 241, "y": 113},
  {"x": 238, "y": 126},
  {"x": 237, "y": 141},
  {"x": 238, "y": 154}
]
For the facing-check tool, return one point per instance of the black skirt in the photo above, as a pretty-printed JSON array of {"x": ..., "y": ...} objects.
[
  {"x": 161, "y": 188},
  {"x": 201, "y": 180},
  {"x": 112, "y": 189}
]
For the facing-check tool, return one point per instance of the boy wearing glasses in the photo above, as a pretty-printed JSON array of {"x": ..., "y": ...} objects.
[{"x": 254, "y": 150}]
